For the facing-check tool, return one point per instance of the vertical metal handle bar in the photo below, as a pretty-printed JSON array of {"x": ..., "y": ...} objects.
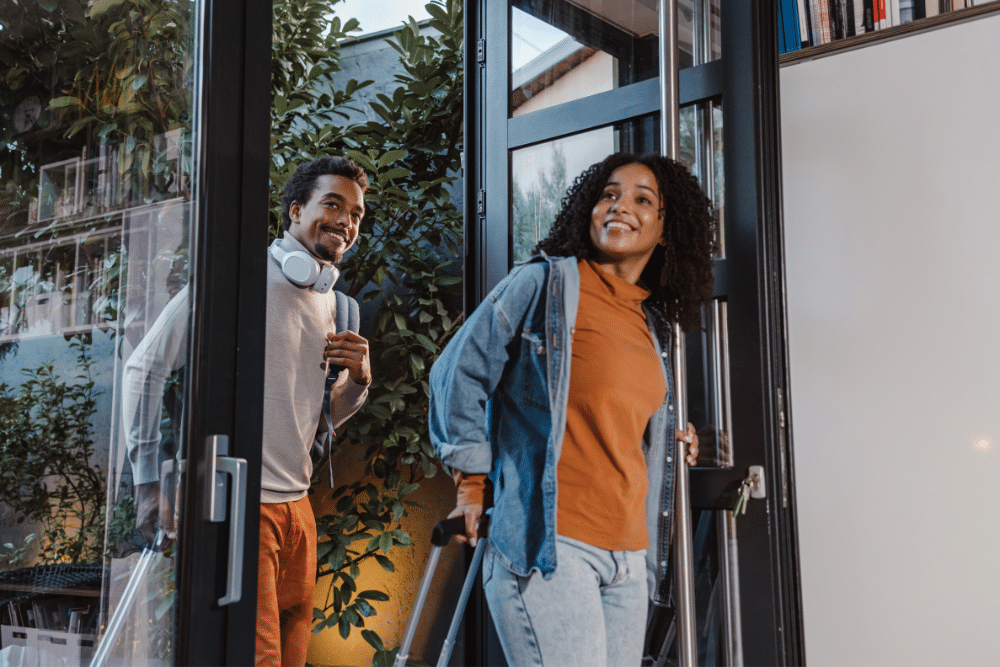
[
  {"x": 463, "y": 599},
  {"x": 418, "y": 606},
  {"x": 731, "y": 585},
  {"x": 684, "y": 542},
  {"x": 683, "y": 545},
  {"x": 237, "y": 468}
]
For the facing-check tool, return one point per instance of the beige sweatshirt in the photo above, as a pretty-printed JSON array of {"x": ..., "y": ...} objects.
[{"x": 298, "y": 320}]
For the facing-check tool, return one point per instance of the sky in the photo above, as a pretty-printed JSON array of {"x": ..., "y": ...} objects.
[
  {"x": 376, "y": 15},
  {"x": 531, "y": 36}
]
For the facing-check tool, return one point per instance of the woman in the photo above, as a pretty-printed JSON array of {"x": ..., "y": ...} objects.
[{"x": 559, "y": 387}]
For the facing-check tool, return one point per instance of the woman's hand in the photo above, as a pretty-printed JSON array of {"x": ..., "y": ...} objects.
[
  {"x": 691, "y": 438},
  {"x": 473, "y": 512}
]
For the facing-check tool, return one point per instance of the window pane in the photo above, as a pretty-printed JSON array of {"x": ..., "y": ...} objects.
[
  {"x": 702, "y": 151},
  {"x": 698, "y": 29},
  {"x": 540, "y": 175},
  {"x": 563, "y": 51}
]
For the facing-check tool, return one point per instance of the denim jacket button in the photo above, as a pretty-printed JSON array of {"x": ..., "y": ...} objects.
[{"x": 541, "y": 349}]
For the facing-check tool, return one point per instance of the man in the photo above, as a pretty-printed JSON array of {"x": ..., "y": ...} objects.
[{"x": 322, "y": 208}]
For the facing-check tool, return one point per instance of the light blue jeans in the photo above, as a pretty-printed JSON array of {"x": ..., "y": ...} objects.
[{"x": 590, "y": 613}]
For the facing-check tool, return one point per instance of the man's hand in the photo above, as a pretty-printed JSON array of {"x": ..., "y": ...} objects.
[
  {"x": 473, "y": 512},
  {"x": 350, "y": 350}
]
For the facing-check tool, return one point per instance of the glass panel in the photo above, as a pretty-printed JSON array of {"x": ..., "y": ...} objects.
[
  {"x": 96, "y": 104},
  {"x": 563, "y": 51},
  {"x": 716, "y": 571},
  {"x": 540, "y": 174},
  {"x": 698, "y": 28},
  {"x": 716, "y": 589},
  {"x": 701, "y": 150},
  {"x": 708, "y": 387}
]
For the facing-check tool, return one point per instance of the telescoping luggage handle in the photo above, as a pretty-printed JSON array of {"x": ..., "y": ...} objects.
[{"x": 443, "y": 532}]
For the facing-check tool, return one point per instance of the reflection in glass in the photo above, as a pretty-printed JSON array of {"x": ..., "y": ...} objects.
[
  {"x": 564, "y": 50},
  {"x": 702, "y": 151},
  {"x": 94, "y": 226},
  {"x": 717, "y": 598},
  {"x": 716, "y": 589},
  {"x": 698, "y": 24},
  {"x": 708, "y": 387},
  {"x": 540, "y": 174}
]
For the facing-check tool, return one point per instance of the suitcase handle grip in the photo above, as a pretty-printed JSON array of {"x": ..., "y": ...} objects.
[{"x": 446, "y": 529}]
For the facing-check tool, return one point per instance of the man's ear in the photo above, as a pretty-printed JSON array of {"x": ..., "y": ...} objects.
[{"x": 294, "y": 211}]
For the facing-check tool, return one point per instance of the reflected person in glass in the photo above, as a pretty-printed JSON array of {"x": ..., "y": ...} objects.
[{"x": 557, "y": 392}]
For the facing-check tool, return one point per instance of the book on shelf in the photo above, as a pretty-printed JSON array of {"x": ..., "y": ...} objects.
[
  {"x": 821, "y": 20},
  {"x": 893, "y": 12},
  {"x": 862, "y": 17},
  {"x": 804, "y": 37},
  {"x": 789, "y": 32},
  {"x": 79, "y": 619}
]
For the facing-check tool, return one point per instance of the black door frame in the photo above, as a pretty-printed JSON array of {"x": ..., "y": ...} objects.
[
  {"x": 225, "y": 381},
  {"x": 750, "y": 278}
]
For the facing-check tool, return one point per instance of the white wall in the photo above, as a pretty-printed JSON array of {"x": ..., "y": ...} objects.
[{"x": 891, "y": 162}]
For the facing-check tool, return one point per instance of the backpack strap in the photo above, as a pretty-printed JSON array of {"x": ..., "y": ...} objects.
[{"x": 348, "y": 317}]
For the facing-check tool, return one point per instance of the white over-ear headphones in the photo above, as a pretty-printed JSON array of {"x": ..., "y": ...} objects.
[{"x": 302, "y": 268}]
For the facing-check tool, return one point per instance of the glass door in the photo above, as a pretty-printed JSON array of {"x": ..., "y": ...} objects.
[
  {"x": 584, "y": 81},
  {"x": 120, "y": 511}
]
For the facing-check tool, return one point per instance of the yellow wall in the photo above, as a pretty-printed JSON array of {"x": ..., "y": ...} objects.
[{"x": 437, "y": 498}]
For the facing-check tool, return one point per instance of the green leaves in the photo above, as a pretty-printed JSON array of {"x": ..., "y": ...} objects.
[
  {"x": 47, "y": 468},
  {"x": 405, "y": 268}
]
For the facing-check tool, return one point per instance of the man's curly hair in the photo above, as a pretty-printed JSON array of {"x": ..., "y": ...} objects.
[
  {"x": 299, "y": 187},
  {"x": 679, "y": 274}
]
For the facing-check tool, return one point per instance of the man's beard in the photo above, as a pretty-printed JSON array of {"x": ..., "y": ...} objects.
[{"x": 326, "y": 254}]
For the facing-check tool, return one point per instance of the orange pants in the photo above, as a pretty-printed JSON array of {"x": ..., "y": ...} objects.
[{"x": 285, "y": 583}]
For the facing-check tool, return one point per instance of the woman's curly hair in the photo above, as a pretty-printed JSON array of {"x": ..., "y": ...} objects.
[{"x": 679, "y": 274}]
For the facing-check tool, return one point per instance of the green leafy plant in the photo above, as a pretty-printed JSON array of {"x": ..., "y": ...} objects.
[
  {"x": 47, "y": 472},
  {"x": 405, "y": 265}
]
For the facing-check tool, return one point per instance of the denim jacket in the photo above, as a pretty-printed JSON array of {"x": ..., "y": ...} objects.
[{"x": 498, "y": 401}]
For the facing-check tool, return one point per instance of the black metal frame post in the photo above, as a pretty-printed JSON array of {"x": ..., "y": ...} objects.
[{"x": 225, "y": 379}]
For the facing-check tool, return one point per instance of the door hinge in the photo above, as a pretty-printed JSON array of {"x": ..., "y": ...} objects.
[
  {"x": 481, "y": 204},
  {"x": 481, "y": 51}
]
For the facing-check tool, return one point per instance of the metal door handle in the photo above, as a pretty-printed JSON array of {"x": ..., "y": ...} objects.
[{"x": 237, "y": 470}]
